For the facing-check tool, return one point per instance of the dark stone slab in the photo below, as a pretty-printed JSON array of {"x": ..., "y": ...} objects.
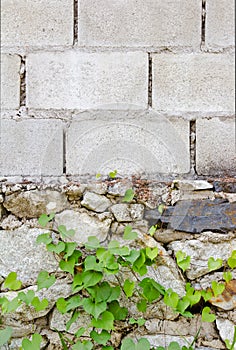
[
  {"x": 196, "y": 216},
  {"x": 225, "y": 186}
]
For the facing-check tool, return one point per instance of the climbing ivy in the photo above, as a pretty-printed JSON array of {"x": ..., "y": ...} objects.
[{"x": 92, "y": 269}]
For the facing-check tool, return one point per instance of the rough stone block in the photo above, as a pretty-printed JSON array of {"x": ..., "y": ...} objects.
[
  {"x": 138, "y": 23},
  {"x": 220, "y": 23},
  {"x": 10, "y": 82},
  {"x": 215, "y": 146},
  {"x": 193, "y": 83},
  {"x": 31, "y": 147},
  {"x": 87, "y": 80},
  {"x": 36, "y": 23},
  {"x": 131, "y": 142}
]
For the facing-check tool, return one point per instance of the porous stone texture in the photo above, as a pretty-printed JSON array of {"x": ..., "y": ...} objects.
[
  {"x": 84, "y": 225},
  {"x": 31, "y": 147},
  {"x": 20, "y": 253},
  {"x": 32, "y": 204},
  {"x": 93, "y": 79},
  {"x": 134, "y": 142},
  {"x": 127, "y": 212},
  {"x": 215, "y": 150},
  {"x": 220, "y": 24},
  {"x": 95, "y": 202},
  {"x": 200, "y": 252},
  {"x": 10, "y": 81},
  {"x": 36, "y": 23},
  {"x": 58, "y": 321},
  {"x": 226, "y": 329},
  {"x": 138, "y": 23},
  {"x": 184, "y": 83}
]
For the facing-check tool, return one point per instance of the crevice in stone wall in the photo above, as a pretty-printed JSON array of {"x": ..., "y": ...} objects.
[
  {"x": 149, "y": 80},
  {"x": 22, "y": 82},
  {"x": 192, "y": 142},
  {"x": 64, "y": 152},
  {"x": 203, "y": 26},
  {"x": 75, "y": 40}
]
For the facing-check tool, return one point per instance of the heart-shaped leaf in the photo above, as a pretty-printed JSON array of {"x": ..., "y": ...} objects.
[
  {"x": 44, "y": 238},
  {"x": 100, "y": 338},
  {"x": 105, "y": 321},
  {"x": 39, "y": 305},
  {"x": 68, "y": 265},
  {"x": 92, "y": 243},
  {"x": 94, "y": 309},
  {"x": 26, "y": 298},
  {"x": 129, "y": 195},
  {"x": 65, "y": 233},
  {"x": 5, "y": 335},
  {"x": 217, "y": 288},
  {"x": 207, "y": 295},
  {"x": 151, "y": 253},
  {"x": 214, "y": 264},
  {"x": 34, "y": 344},
  {"x": 227, "y": 276},
  {"x": 129, "y": 234},
  {"x": 112, "y": 174},
  {"x": 44, "y": 219},
  {"x": 11, "y": 282},
  {"x": 44, "y": 280},
  {"x": 56, "y": 248},
  {"x": 207, "y": 316},
  {"x": 129, "y": 288}
]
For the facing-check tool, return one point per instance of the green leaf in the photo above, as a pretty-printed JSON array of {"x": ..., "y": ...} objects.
[
  {"x": 183, "y": 260},
  {"x": 10, "y": 306},
  {"x": 93, "y": 308},
  {"x": 68, "y": 265},
  {"x": 127, "y": 344},
  {"x": 151, "y": 253},
  {"x": 98, "y": 175},
  {"x": 161, "y": 208},
  {"x": 119, "y": 313},
  {"x": 73, "y": 302},
  {"x": 214, "y": 264},
  {"x": 34, "y": 344},
  {"x": 93, "y": 243},
  {"x": 129, "y": 234},
  {"x": 44, "y": 219},
  {"x": 80, "y": 332},
  {"x": 133, "y": 256},
  {"x": 129, "y": 195},
  {"x": 232, "y": 260},
  {"x": 56, "y": 248},
  {"x": 112, "y": 174},
  {"x": 85, "y": 345},
  {"x": 193, "y": 296},
  {"x": 129, "y": 288},
  {"x": 152, "y": 230},
  {"x": 90, "y": 278},
  {"x": 182, "y": 305},
  {"x": 171, "y": 299},
  {"x": 151, "y": 289},
  {"x": 44, "y": 238},
  {"x": 65, "y": 233},
  {"x": 5, "y": 335},
  {"x": 44, "y": 280},
  {"x": 39, "y": 305},
  {"x": 217, "y": 288},
  {"x": 90, "y": 263},
  {"x": 11, "y": 282},
  {"x": 174, "y": 346},
  {"x": 69, "y": 249},
  {"x": 61, "y": 305},
  {"x": 207, "y": 316},
  {"x": 142, "y": 305},
  {"x": 105, "y": 321},
  {"x": 115, "y": 248},
  {"x": 26, "y": 298},
  {"x": 100, "y": 338},
  {"x": 74, "y": 317},
  {"x": 207, "y": 295},
  {"x": 140, "y": 321},
  {"x": 227, "y": 276}
]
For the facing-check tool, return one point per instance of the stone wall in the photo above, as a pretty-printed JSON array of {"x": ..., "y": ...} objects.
[{"x": 145, "y": 87}]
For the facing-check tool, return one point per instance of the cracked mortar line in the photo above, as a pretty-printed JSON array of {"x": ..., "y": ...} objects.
[
  {"x": 203, "y": 25},
  {"x": 149, "y": 80},
  {"x": 192, "y": 143},
  {"x": 75, "y": 24}
]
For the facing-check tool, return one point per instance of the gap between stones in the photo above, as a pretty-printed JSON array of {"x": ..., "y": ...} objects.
[
  {"x": 75, "y": 39},
  {"x": 149, "y": 80},
  {"x": 203, "y": 26},
  {"x": 22, "y": 82},
  {"x": 192, "y": 142},
  {"x": 64, "y": 152}
]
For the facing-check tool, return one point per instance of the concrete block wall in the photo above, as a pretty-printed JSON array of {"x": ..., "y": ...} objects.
[{"x": 92, "y": 85}]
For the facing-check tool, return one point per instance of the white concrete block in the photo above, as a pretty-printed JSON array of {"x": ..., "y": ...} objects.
[
  {"x": 139, "y": 23},
  {"x": 131, "y": 142},
  {"x": 216, "y": 146},
  {"x": 220, "y": 23},
  {"x": 193, "y": 83},
  {"x": 36, "y": 23},
  {"x": 10, "y": 81},
  {"x": 72, "y": 79},
  {"x": 31, "y": 147}
]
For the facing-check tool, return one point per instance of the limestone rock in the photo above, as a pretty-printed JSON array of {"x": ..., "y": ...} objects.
[
  {"x": 85, "y": 225},
  {"x": 96, "y": 202},
  {"x": 192, "y": 185},
  {"x": 97, "y": 187},
  {"x": 127, "y": 212},
  {"x": 118, "y": 188},
  {"x": 34, "y": 203},
  {"x": 11, "y": 222},
  {"x": 200, "y": 252},
  {"x": 226, "y": 329},
  {"x": 167, "y": 236},
  {"x": 20, "y": 253},
  {"x": 227, "y": 300}
]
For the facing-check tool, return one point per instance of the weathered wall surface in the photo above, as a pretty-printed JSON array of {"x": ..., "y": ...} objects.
[{"x": 145, "y": 87}]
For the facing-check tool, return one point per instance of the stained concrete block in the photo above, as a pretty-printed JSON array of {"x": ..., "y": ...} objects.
[
  {"x": 193, "y": 82},
  {"x": 138, "y": 23},
  {"x": 31, "y": 147},
  {"x": 131, "y": 142},
  {"x": 216, "y": 147},
  {"x": 220, "y": 25},
  {"x": 36, "y": 23},
  {"x": 10, "y": 81},
  {"x": 82, "y": 80}
]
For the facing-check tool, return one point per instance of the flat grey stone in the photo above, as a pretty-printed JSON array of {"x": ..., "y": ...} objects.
[{"x": 95, "y": 202}]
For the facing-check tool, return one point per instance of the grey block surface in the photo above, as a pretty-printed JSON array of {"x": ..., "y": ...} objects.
[
  {"x": 193, "y": 82},
  {"x": 131, "y": 142},
  {"x": 138, "y": 23},
  {"x": 216, "y": 146},
  {"x": 31, "y": 147},
  {"x": 82, "y": 80},
  {"x": 10, "y": 81},
  {"x": 36, "y": 23}
]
